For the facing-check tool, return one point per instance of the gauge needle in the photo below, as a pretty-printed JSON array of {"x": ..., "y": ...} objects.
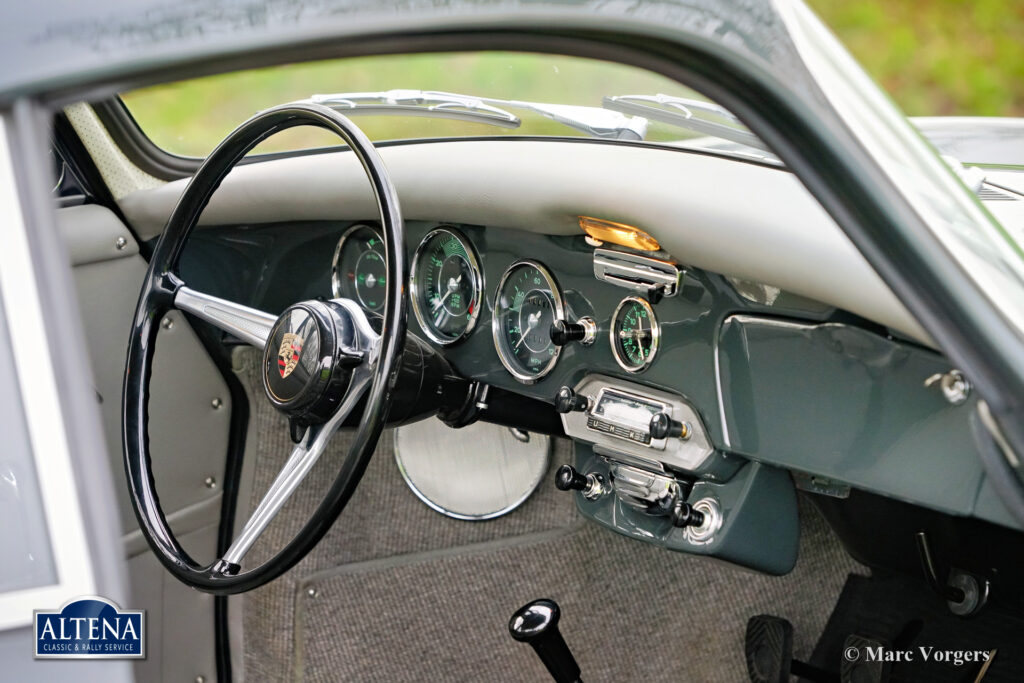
[
  {"x": 531, "y": 322},
  {"x": 453, "y": 286}
]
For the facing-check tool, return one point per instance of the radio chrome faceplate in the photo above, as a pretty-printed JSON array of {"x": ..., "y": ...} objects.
[{"x": 617, "y": 422}]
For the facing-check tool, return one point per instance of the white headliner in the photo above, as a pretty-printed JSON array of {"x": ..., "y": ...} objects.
[{"x": 721, "y": 215}]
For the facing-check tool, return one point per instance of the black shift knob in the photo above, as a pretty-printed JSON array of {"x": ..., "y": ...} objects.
[{"x": 537, "y": 624}]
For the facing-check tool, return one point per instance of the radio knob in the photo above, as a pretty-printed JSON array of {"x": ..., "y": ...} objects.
[
  {"x": 583, "y": 330},
  {"x": 662, "y": 427},
  {"x": 568, "y": 401}
]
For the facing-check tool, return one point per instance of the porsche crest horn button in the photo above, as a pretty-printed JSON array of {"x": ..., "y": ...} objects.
[
  {"x": 302, "y": 373},
  {"x": 288, "y": 353}
]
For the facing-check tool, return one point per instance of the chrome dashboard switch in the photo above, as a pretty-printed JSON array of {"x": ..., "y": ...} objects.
[
  {"x": 568, "y": 478},
  {"x": 583, "y": 331}
]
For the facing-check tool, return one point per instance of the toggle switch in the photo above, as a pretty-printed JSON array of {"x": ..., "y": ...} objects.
[
  {"x": 583, "y": 330},
  {"x": 567, "y": 478}
]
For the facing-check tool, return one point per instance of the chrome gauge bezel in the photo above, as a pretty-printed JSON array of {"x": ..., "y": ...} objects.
[
  {"x": 335, "y": 281},
  {"x": 498, "y": 334},
  {"x": 655, "y": 335},
  {"x": 478, "y": 286}
]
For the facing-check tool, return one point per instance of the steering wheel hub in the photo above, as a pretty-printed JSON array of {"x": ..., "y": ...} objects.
[{"x": 308, "y": 361}]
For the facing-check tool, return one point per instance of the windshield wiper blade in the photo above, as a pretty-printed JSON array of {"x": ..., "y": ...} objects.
[
  {"x": 680, "y": 112},
  {"x": 426, "y": 103},
  {"x": 595, "y": 121}
]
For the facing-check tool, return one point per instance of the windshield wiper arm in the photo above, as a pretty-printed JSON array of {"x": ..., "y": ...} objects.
[
  {"x": 680, "y": 112},
  {"x": 595, "y": 121},
  {"x": 426, "y": 103}
]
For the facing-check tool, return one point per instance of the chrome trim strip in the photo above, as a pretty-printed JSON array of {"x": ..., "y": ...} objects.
[
  {"x": 248, "y": 324},
  {"x": 718, "y": 384}
]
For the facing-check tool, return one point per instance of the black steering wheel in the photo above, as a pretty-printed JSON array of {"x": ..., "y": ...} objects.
[{"x": 320, "y": 358}]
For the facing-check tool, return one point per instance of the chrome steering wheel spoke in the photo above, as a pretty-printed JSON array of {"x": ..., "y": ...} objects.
[
  {"x": 299, "y": 463},
  {"x": 248, "y": 324}
]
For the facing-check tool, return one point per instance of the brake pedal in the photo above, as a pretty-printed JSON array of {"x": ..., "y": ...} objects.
[{"x": 769, "y": 649}]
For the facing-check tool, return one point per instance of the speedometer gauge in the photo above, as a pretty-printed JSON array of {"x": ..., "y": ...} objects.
[
  {"x": 527, "y": 302},
  {"x": 635, "y": 334},
  {"x": 359, "y": 269},
  {"x": 446, "y": 286}
]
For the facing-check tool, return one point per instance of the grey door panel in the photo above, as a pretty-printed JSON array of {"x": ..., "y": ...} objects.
[
  {"x": 188, "y": 435},
  {"x": 180, "y": 620}
]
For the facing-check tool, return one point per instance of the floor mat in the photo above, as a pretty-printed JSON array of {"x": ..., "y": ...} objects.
[
  {"x": 903, "y": 613},
  {"x": 398, "y": 592}
]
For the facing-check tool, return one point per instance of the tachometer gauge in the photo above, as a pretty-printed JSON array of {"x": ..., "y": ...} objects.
[
  {"x": 446, "y": 286},
  {"x": 359, "y": 269},
  {"x": 635, "y": 334},
  {"x": 527, "y": 302}
]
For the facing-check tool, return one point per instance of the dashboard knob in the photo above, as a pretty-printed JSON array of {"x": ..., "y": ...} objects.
[
  {"x": 568, "y": 401},
  {"x": 567, "y": 478},
  {"x": 583, "y": 330},
  {"x": 684, "y": 515},
  {"x": 663, "y": 427}
]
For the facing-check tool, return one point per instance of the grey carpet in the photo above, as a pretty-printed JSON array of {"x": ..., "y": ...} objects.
[{"x": 397, "y": 592}]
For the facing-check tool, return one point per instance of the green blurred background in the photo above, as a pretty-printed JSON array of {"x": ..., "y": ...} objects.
[
  {"x": 934, "y": 57},
  {"x": 937, "y": 57}
]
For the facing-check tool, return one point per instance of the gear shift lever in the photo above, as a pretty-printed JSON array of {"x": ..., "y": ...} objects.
[{"x": 536, "y": 623}]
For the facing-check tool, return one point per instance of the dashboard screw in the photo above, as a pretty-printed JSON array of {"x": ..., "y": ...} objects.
[
  {"x": 216, "y": 403},
  {"x": 120, "y": 243},
  {"x": 167, "y": 323},
  {"x": 200, "y": 679},
  {"x": 210, "y": 482},
  {"x": 311, "y": 592}
]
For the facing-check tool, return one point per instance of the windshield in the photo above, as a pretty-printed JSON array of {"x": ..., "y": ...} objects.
[{"x": 444, "y": 95}]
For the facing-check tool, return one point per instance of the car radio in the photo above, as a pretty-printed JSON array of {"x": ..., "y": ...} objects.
[
  {"x": 630, "y": 422},
  {"x": 626, "y": 416}
]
